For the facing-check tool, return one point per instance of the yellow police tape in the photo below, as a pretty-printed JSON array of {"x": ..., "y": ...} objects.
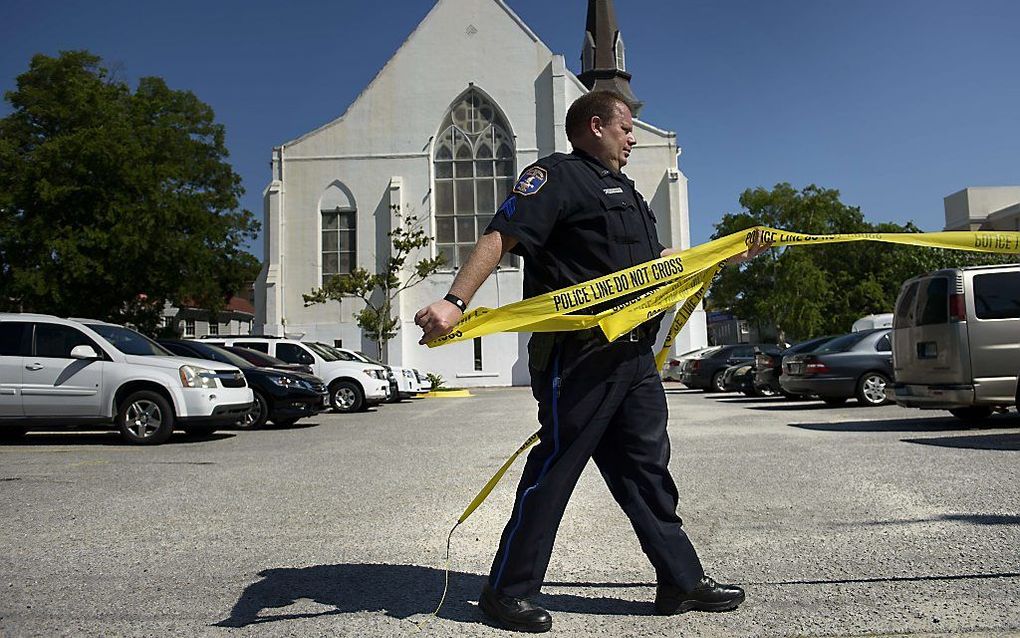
[
  {"x": 681, "y": 277},
  {"x": 481, "y": 496}
]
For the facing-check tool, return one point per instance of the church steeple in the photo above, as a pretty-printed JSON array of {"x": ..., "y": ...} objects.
[{"x": 603, "y": 64}]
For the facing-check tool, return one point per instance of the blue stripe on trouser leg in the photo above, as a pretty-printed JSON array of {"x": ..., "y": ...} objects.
[{"x": 545, "y": 467}]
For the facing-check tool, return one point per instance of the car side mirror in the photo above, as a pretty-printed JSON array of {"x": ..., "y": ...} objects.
[{"x": 84, "y": 352}]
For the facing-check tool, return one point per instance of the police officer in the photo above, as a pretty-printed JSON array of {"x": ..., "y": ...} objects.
[{"x": 575, "y": 217}]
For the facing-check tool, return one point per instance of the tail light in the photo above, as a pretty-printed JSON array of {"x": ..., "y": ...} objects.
[
  {"x": 674, "y": 363},
  {"x": 957, "y": 308},
  {"x": 695, "y": 365}
]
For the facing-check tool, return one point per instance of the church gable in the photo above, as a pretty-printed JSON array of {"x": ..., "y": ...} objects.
[{"x": 459, "y": 43}]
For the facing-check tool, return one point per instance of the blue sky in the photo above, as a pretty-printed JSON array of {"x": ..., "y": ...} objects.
[{"x": 896, "y": 103}]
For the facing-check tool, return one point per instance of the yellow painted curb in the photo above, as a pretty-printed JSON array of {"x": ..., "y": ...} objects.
[{"x": 448, "y": 394}]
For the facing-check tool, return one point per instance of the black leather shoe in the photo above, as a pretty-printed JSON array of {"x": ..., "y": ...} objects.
[
  {"x": 518, "y": 614},
  {"x": 707, "y": 595}
]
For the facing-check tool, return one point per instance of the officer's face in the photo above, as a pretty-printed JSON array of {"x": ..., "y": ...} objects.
[{"x": 616, "y": 139}]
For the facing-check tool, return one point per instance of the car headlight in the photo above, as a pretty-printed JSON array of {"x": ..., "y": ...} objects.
[
  {"x": 283, "y": 382},
  {"x": 196, "y": 377},
  {"x": 375, "y": 374}
]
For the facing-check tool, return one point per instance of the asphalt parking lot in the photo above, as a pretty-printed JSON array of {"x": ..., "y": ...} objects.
[{"x": 838, "y": 522}]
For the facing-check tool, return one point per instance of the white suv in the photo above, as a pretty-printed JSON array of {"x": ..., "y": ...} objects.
[
  {"x": 353, "y": 385},
  {"x": 403, "y": 384},
  {"x": 79, "y": 372}
]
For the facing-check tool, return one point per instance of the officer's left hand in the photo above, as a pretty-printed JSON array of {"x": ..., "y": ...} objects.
[
  {"x": 437, "y": 319},
  {"x": 752, "y": 251}
]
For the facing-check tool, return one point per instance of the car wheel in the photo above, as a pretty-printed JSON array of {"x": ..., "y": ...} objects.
[
  {"x": 256, "y": 415},
  {"x": 145, "y": 418},
  {"x": 346, "y": 396},
  {"x": 12, "y": 434},
  {"x": 716, "y": 385},
  {"x": 834, "y": 401},
  {"x": 972, "y": 413},
  {"x": 871, "y": 389}
]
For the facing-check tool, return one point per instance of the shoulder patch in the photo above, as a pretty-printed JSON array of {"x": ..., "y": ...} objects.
[{"x": 531, "y": 181}]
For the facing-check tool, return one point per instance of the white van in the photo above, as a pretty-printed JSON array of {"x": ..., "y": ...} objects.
[
  {"x": 870, "y": 322},
  {"x": 956, "y": 340},
  {"x": 353, "y": 385},
  {"x": 64, "y": 372}
]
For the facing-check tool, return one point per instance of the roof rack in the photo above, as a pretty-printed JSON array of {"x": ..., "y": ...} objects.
[{"x": 241, "y": 337}]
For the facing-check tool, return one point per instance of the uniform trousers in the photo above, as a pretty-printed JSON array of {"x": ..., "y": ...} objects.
[{"x": 601, "y": 401}]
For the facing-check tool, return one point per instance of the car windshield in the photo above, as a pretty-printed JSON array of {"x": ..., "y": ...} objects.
[
  {"x": 807, "y": 346},
  {"x": 844, "y": 343},
  {"x": 368, "y": 359},
  {"x": 329, "y": 354},
  {"x": 338, "y": 354},
  {"x": 128, "y": 341},
  {"x": 708, "y": 352},
  {"x": 256, "y": 357},
  {"x": 216, "y": 353}
]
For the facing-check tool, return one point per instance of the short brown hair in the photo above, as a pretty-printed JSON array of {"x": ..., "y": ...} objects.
[{"x": 602, "y": 103}]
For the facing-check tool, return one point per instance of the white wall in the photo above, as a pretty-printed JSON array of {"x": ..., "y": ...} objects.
[
  {"x": 968, "y": 208},
  {"x": 381, "y": 150}
]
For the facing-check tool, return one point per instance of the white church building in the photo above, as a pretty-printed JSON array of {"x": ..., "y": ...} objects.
[{"x": 469, "y": 100}]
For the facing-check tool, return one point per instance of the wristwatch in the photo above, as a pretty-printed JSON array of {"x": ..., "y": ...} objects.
[{"x": 455, "y": 300}]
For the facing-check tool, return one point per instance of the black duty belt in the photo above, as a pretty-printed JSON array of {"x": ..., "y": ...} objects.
[{"x": 595, "y": 334}]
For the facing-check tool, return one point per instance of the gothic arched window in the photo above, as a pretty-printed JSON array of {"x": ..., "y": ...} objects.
[
  {"x": 474, "y": 172},
  {"x": 339, "y": 231}
]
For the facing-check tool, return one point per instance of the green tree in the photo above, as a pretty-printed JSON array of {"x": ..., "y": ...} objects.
[
  {"x": 380, "y": 290},
  {"x": 113, "y": 201},
  {"x": 815, "y": 290}
]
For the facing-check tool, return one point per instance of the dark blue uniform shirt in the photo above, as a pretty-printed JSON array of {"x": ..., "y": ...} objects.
[{"x": 575, "y": 220}]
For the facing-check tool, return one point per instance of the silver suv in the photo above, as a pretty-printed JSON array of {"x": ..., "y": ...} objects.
[
  {"x": 956, "y": 340},
  {"x": 68, "y": 372}
]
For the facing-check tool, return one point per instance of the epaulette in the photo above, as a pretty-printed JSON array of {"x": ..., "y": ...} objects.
[{"x": 551, "y": 161}]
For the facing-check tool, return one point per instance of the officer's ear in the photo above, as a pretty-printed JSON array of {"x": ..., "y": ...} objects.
[{"x": 595, "y": 125}]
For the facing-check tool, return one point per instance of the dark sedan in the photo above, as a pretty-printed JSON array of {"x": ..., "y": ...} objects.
[
  {"x": 281, "y": 396},
  {"x": 855, "y": 365},
  {"x": 707, "y": 372},
  {"x": 262, "y": 360},
  {"x": 768, "y": 365}
]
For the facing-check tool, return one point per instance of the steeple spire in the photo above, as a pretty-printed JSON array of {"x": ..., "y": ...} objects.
[{"x": 603, "y": 64}]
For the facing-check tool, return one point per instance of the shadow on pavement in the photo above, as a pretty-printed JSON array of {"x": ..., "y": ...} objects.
[
  {"x": 111, "y": 438},
  {"x": 796, "y": 406},
  {"x": 910, "y": 424},
  {"x": 300, "y": 425},
  {"x": 891, "y": 579},
  {"x": 753, "y": 400},
  {"x": 399, "y": 591},
  {"x": 1009, "y": 442},
  {"x": 973, "y": 519}
]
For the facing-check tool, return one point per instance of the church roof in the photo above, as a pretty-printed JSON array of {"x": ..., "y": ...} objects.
[{"x": 421, "y": 26}]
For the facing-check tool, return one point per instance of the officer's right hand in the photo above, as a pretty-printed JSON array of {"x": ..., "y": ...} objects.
[{"x": 437, "y": 319}]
